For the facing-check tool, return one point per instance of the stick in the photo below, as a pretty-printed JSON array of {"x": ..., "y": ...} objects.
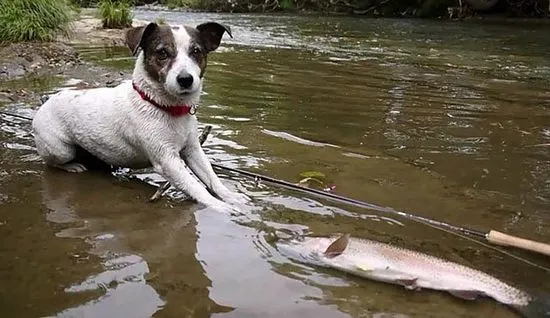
[
  {"x": 160, "y": 191},
  {"x": 503, "y": 239}
]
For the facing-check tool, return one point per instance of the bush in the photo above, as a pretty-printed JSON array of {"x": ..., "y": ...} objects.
[
  {"x": 161, "y": 21},
  {"x": 115, "y": 14},
  {"x": 84, "y": 3},
  {"x": 34, "y": 20}
]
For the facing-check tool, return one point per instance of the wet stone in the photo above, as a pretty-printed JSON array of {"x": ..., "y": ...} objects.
[
  {"x": 5, "y": 98},
  {"x": 12, "y": 70}
]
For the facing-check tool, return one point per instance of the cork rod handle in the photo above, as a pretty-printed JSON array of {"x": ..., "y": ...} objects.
[{"x": 499, "y": 238}]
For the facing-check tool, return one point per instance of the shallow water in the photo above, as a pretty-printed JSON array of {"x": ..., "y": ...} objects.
[{"x": 445, "y": 120}]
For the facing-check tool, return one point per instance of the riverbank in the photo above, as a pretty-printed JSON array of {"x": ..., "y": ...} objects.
[
  {"x": 29, "y": 61},
  {"x": 452, "y": 13},
  {"x": 40, "y": 58},
  {"x": 431, "y": 9}
]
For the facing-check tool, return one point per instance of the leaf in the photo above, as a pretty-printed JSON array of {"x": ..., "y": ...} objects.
[
  {"x": 286, "y": 4},
  {"x": 312, "y": 174},
  {"x": 307, "y": 180}
]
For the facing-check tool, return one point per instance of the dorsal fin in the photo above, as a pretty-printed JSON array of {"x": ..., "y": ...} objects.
[{"x": 337, "y": 247}]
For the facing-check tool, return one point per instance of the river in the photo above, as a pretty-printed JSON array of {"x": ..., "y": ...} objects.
[{"x": 446, "y": 120}]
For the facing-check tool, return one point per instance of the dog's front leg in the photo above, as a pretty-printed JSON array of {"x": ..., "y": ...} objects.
[
  {"x": 173, "y": 168},
  {"x": 198, "y": 162}
]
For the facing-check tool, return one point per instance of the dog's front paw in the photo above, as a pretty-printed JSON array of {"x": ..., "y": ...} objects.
[
  {"x": 224, "y": 207},
  {"x": 72, "y": 167},
  {"x": 235, "y": 198}
]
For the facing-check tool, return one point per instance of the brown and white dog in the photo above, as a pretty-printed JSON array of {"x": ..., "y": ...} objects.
[{"x": 148, "y": 121}]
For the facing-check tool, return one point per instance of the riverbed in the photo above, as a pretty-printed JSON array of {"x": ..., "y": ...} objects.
[{"x": 446, "y": 120}]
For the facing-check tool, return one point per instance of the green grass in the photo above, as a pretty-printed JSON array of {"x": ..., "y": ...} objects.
[
  {"x": 161, "y": 21},
  {"x": 115, "y": 14},
  {"x": 84, "y": 3},
  {"x": 34, "y": 20}
]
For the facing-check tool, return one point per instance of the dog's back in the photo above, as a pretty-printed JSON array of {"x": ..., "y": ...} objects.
[{"x": 95, "y": 120}]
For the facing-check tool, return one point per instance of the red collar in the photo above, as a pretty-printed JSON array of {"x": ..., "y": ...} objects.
[{"x": 176, "y": 110}]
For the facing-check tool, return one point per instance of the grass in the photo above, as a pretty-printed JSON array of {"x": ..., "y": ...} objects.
[
  {"x": 161, "y": 21},
  {"x": 34, "y": 20},
  {"x": 115, "y": 14},
  {"x": 84, "y": 3}
]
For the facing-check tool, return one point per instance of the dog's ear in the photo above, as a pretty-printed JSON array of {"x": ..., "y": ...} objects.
[
  {"x": 136, "y": 35},
  {"x": 211, "y": 34}
]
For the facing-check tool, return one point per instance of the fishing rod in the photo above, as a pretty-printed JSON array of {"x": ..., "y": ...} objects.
[{"x": 493, "y": 236}]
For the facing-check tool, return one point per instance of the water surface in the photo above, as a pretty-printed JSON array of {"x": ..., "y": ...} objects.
[{"x": 445, "y": 120}]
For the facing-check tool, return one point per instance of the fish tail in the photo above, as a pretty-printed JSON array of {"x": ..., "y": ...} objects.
[{"x": 538, "y": 307}]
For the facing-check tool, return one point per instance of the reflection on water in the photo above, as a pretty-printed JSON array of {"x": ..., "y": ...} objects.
[{"x": 445, "y": 120}]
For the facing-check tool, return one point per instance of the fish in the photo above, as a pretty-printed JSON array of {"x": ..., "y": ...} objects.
[{"x": 411, "y": 269}]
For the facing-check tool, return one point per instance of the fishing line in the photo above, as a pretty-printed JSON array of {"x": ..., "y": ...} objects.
[{"x": 456, "y": 230}]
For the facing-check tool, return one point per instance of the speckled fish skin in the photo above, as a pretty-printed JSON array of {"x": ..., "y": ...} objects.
[{"x": 414, "y": 270}]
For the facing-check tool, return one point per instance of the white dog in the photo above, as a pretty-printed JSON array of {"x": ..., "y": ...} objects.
[{"x": 148, "y": 121}]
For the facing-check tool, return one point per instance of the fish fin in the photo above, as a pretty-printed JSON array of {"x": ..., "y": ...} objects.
[
  {"x": 337, "y": 247},
  {"x": 465, "y": 294},
  {"x": 408, "y": 283}
]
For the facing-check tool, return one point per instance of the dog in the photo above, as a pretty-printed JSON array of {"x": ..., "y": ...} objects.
[{"x": 147, "y": 121}]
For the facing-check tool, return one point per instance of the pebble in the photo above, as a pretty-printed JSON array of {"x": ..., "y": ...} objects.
[{"x": 5, "y": 98}]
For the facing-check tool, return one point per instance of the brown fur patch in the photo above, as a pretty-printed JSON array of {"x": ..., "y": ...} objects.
[
  {"x": 197, "y": 51},
  {"x": 160, "y": 52}
]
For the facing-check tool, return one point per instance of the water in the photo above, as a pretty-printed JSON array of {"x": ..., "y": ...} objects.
[{"x": 445, "y": 120}]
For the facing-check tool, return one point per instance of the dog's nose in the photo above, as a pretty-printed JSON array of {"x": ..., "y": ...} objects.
[{"x": 185, "y": 80}]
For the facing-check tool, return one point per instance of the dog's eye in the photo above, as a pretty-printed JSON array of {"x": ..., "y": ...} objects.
[
  {"x": 162, "y": 54},
  {"x": 196, "y": 51}
]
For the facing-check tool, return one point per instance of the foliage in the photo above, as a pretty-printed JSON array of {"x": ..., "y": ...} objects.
[
  {"x": 312, "y": 179},
  {"x": 312, "y": 174},
  {"x": 528, "y": 8},
  {"x": 84, "y": 3},
  {"x": 115, "y": 14},
  {"x": 386, "y": 8},
  {"x": 421, "y": 8},
  {"x": 286, "y": 4},
  {"x": 34, "y": 20},
  {"x": 160, "y": 20},
  {"x": 93, "y": 3}
]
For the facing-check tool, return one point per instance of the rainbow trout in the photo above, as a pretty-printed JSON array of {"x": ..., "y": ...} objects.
[{"x": 413, "y": 270}]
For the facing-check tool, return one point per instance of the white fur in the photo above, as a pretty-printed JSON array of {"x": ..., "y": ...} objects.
[
  {"x": 120, "y": 128},
  {"x": 183, "y": 64}
]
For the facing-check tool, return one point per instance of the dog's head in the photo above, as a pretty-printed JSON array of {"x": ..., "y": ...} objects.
[{"x": 175, "y": 56}]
